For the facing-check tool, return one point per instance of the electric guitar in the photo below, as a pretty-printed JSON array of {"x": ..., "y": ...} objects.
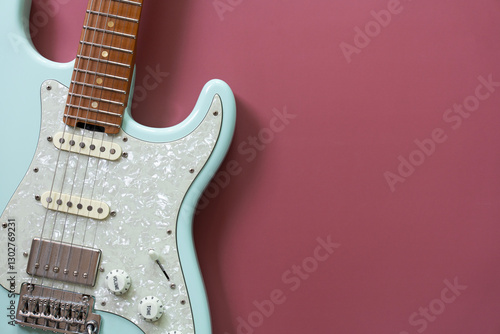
[{"x": 96, "y": 209}]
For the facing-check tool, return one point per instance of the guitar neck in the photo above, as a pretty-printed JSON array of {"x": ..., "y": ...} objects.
[{"x": 104, "y": 65}]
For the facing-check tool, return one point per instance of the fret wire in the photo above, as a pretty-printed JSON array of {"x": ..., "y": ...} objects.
[
  {"x": 94, "y": 110},
  {"x": 95, "y": 53},
  {"x": 110, "y": 32},
  {"x": 98, "y": 87},
  {"x": 129, "y": 2},
  {"x": 97, "y": 99},
  {"x": 107, "y": 47},
  {"x": 102, "y": 74},
  {"x": 119, "y": 17},
  {"x": 104, "y": 61}
]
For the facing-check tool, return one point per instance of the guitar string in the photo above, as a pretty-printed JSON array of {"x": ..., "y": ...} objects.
[
  {"x": 38, "y": 253},
  {"x": 106, "y": 170},
  {"x": 73, "y": 183},
  {"x": 51, "y": 196},
  {"x": 95, "y": 178},
  {"x": 98, "y": 161},
  {"x": 87, "y": 159}
]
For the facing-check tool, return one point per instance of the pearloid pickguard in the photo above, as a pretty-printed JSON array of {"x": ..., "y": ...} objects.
[{"x": 145, "y": 189}]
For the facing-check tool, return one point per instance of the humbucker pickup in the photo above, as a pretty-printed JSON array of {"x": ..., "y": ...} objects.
[
  {"x": 56, "y": 310},
  {"x": 94, "y": 147},
  {"x": 63, "y": 262}
]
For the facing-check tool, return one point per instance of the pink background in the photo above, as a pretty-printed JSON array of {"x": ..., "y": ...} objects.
[{"x": 321, "y": 173}]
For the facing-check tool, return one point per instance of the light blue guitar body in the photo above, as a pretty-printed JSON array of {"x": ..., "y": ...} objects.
[{"x": 31, "y": 106}]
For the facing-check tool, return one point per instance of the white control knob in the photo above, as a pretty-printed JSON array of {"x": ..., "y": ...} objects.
[
  {"x": 151, "y": 308},
  {"x": 118, "y": 282}
]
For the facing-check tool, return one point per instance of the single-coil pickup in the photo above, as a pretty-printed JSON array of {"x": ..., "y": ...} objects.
[
  {"x": 75, "y": 205},
  {"x": 93, "y": 147}
]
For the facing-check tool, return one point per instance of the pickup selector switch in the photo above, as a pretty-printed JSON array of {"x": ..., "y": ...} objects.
[
  {"x": 118, "y": 281},
  {"x": 150, "y": 308}
]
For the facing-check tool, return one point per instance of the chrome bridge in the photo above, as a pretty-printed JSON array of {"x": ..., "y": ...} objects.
[{"x": 56, "y": 310}]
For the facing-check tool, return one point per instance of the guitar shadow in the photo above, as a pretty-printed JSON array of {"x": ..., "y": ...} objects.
[
  {"x": 164, "y": 91},
  {"x": 217, "y": 220}
]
